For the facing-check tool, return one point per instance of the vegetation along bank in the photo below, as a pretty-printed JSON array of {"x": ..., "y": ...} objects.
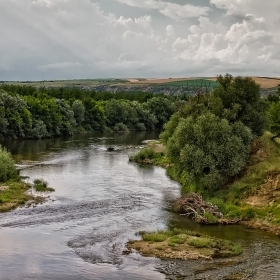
[{"x": 223, "y": 147}]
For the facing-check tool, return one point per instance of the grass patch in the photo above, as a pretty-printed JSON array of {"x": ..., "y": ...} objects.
[
  {"x": 200, "y": 242},
  {"x": 12, "y": 195},
  {"x": 178, "y": 239},
  {"x": 41, "y": 186}
]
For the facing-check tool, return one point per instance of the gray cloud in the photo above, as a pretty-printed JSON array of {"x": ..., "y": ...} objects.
[{"x": 60, "y": 39}]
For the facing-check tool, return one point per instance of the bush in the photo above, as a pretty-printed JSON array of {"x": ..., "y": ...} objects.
[
  {"x": 209, "y": 149},
  {"x": 210, "y": 218},
  {"x": 120, "y": 127},
  {"x": 41, "y": 185},
  {"x": 7, "y": 166}
]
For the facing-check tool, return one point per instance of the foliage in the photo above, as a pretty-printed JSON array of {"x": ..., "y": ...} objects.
[
  {"x": 240, "y": 97},
  {"x": 41, "y": 186},
  {"x": 120, "y": 127},
  {"x": 274, "y": 117},
  {"x": 29, "y": 112},
  {"x": 149, "y": 156},
  {"x": 7, "y": 166},
  {"x": 162, "y": 108},
  {"x": 210, "y": 218},
  {"x": 15, "y": 118},
  {"x": 209, "y": 149},
  {"x": 79, "y": 111}
]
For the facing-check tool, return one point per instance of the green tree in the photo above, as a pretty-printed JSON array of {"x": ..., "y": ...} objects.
[
  {"x": 94, "y": 116},
  {"x": 161, "y": 108},
  {"x": 274, "y": 117},
  {"x": 79, "y": 111},
  {"x": 241, "y": 101},
  {"x": 67, "y": 117},
  {"x": 208, "y": 149},
  {"x": 7, "y": 166},
  {"x": 15, "y": 118}
]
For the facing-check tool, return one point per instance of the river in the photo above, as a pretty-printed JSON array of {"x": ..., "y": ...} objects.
[{"x": 100, "y": 202}]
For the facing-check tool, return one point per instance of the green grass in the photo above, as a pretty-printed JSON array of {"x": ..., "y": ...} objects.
[
  {"x": 200, "y": 242},
  {"x": 178, "y": 239},
  {"x": 41, "y": 186},
  {"x": 12, "y": 194},
  {"x": 157, "y": 236}
]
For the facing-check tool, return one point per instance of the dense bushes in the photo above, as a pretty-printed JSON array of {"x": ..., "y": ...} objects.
[{"x": 7, "y": 166}]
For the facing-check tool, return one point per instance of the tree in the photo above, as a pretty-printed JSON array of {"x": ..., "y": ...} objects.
[
  {"x": 209, "y": 149},
  {"x": 94, "y": 116},
  {"x": 79, "y": 111},
  {"x": 15, "y": 118},
  {"x": 67, "y": 117},
  {"x": 274, "y": 117},
  {"x": 161, "y": 108},
  {"x": 241, "y": 101},
  {"x": 7, "y": 166}
]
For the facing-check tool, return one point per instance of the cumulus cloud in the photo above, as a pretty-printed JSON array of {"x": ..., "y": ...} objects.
[{"x": 64, "y": 39}]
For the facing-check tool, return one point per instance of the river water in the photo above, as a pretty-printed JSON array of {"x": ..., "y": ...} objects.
[{"x": 100, "y": 202}]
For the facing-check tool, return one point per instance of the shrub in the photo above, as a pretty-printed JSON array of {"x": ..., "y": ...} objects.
[
  {"x": 210, "y": 218},
  {"x": 41, "y": 186},
  {"x": 120, "y": 127},
  {"x": 7, "y": 166}
]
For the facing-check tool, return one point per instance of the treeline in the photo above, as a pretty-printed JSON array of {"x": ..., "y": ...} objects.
[{"x": 28, "y": 112}]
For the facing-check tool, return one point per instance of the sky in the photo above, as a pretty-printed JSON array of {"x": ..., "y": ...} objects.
[{"x": 87, "y": 39}]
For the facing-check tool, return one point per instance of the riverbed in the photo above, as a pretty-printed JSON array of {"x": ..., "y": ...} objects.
[{"x": 100, "y": 201}]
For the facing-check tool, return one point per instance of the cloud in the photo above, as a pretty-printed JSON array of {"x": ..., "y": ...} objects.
[
  {"x": 64, "y": 39},
  {"x": 169, "y": 9}
]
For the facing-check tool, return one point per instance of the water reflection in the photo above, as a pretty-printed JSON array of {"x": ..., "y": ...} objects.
[{"x": 100, "y": 201}]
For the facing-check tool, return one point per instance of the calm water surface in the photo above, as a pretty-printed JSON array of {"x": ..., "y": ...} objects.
[{"x": 101, "y": 201}]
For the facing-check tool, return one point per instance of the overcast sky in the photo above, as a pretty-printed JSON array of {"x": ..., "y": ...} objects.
[{"x": 67, "y": 39}]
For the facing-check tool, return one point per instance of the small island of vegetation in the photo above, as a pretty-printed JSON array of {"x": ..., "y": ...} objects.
[{"x": 183, "y": 245}]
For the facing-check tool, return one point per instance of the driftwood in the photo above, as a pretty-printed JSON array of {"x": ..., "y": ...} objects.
[{"x": 193, "y": 206}]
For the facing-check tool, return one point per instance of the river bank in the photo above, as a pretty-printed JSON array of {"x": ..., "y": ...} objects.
[
  {"x": 252, "y": 198},
  {"x": 100, "y": 201}
]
